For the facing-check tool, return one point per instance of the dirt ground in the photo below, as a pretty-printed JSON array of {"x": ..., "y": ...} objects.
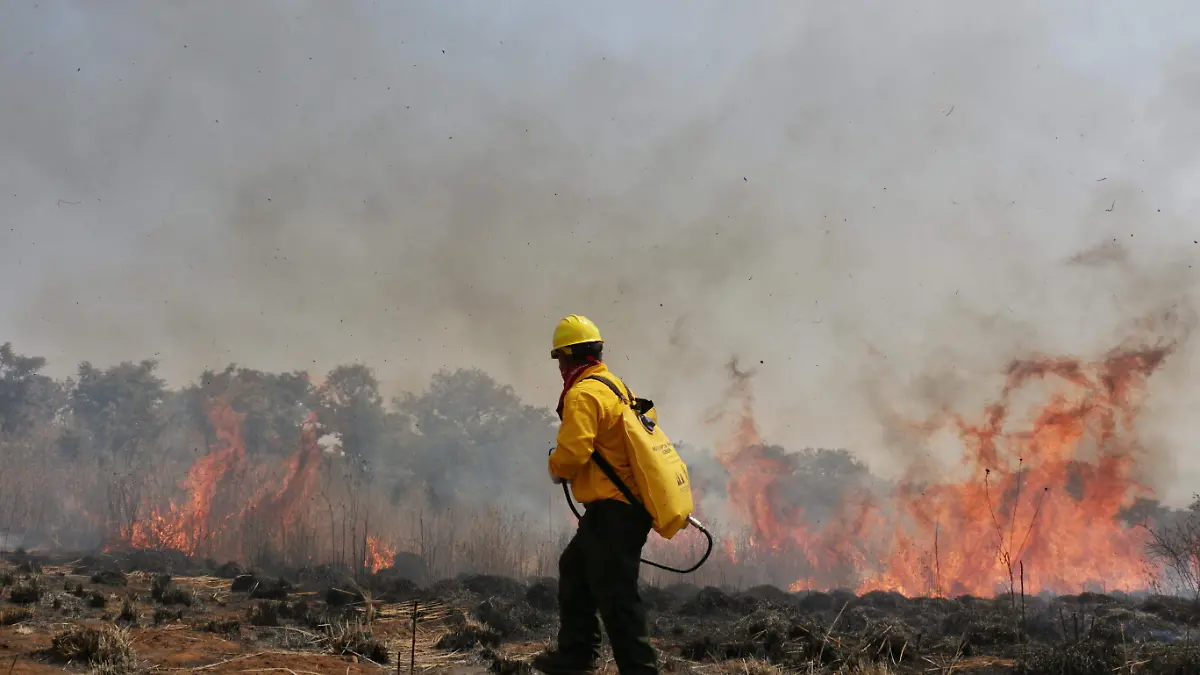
[{"x": 114, "y": 615}]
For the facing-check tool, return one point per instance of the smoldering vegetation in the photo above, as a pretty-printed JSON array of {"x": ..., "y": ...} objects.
[{"x": 494, "y": 622}]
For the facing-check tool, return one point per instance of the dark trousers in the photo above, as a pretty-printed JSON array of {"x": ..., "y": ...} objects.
[{"x": 598, "y": 572}]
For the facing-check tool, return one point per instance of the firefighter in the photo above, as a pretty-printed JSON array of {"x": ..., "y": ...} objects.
[{"x": 598, "y": 570}]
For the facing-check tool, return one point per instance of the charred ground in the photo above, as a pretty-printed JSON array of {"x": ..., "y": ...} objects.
[{"x": 144, "y": 611}]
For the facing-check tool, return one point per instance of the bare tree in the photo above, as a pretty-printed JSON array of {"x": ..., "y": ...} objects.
[{"x": 1175, "y": 548}]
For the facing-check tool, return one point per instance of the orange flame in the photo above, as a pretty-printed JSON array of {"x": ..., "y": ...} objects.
[
  {"x": 379, "y": 555},
  {"x": 1036, "y": 504},
  {"x": 213, "y": 515}
]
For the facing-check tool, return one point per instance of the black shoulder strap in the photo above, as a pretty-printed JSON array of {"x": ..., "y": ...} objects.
[
  {"x": 627, "y": 398},
  {"x": 640, "y": 406},
  {"x": 604, "y": 464}
]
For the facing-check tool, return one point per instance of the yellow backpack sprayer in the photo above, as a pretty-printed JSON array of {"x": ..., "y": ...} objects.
[{"x": 658, "y": 470}]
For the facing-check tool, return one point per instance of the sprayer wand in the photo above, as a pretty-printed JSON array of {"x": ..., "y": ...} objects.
[{"x": 691, "y": 521}]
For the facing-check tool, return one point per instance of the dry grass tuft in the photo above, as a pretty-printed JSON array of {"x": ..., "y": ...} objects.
[
  {"x": 27, "y": 592},
  {"x": 760, "y": 667},
  {"x": 870, "y": 669},
  {"x": 222, "y": 626},
  {"x": 505, "y": 663},
  {"x": 162, "y": 590},
  {"x": 107, "y": 650},
  {"x": 353, "y": 639},
  {"x": 468, "y": 634},
  {"x": 128, "y": 610},
  {"x": 11, "y": 617},
  {"x": 263, "y": 613},
  {"x": 749, "y": 667},
  {"x": 164, "y": 615}
]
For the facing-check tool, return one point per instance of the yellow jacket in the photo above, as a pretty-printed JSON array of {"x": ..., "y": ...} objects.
[{"x": 591, "y": 421}]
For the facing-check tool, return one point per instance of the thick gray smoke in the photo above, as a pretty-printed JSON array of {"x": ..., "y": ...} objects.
[{"x": 878, "y": 201}]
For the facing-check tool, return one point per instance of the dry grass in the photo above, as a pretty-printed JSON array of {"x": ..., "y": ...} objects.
[
  {"x": 11, "y": 617},
  {"x": 107, "y": 650},
  {"x": 760, "y": 667},
  {"x": 97, "y": 600},
  {"x": 128, "y": 610},
  {"x": 27, "y": 592},
  {"x": 353, "y": 638},
  {"x": 263, "y": 613},
  {"x": 749, "y": 667}
]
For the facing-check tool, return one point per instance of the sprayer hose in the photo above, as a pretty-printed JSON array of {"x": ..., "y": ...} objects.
[{"x": 695, "y": 523}]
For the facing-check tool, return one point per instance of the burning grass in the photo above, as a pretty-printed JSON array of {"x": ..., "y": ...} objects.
[{"x": 1042, "y": 506}]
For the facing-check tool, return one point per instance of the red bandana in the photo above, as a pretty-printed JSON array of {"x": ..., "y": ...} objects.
[{"x": 569, "y": 379}]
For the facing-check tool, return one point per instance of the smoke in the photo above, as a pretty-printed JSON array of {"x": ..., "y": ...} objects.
[{"x": 877, "y": 204}]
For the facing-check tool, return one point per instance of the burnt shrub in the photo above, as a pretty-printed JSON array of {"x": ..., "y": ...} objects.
[
  {"x": 243, "y": 583},
  {"x": 543, "y": 595},
  {"x": 769, "y": 595},
  {"x": 816, "y": 602},
  {"x": 271, "y": 589},
  {"x": 15, "y": 615},
  {"x": 296, "y": 611},
  {"x": 511, "y": 618},
  {"x": 1173, "y": 609},
  {"x": 502, "y": 663},
  {"x": 491, "y": 586},
  {"x": 109, "y": 578},
  {"x": 26, "y": 592},
  {"x": 395, "y": 589},
  {"x": 1083, "y": 658},
  {"x": 708, "y": 648},
  {"x": 229, "y": 570},
  {"x": 890, "y": 600},
  {"x": 97, "y": 600},
  {"x": 710, "y": 601},
  {"x": 353, "y": 640},
  {"x": 263, "y": 613},
  {"x": 167, "y": 593},
  {"x": 164, "y": 615},
  {"x": 226, "y": 626},
  {"x": 159, "y": 584},
  {"x": 466, "y": 634},
  {"x": 339, "y": 597},
  {"x": 177, "y": 596},
  {"x": 129, "y": 611},
  {"x": 469, "y": 637}
]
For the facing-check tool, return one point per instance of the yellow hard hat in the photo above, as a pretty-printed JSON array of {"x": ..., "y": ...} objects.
[{"x": 573, "y": 330}]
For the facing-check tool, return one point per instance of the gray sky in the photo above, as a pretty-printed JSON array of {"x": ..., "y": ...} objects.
[{"x": 868, "y": 197}]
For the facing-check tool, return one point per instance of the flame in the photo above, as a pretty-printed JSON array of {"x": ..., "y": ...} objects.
[
  {"x": 213, "y": 516},
  {"x": 1042, "y": 503},
  {"x": 379, "y": 555}
]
